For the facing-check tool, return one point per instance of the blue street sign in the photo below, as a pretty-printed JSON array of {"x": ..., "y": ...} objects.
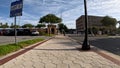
[{"x": 16, "y": 8}]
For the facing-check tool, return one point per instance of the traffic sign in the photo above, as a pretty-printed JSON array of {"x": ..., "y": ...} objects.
[{"x": 16, "y": 8}]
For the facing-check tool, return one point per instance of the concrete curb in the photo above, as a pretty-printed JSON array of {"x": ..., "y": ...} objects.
[
  {"x": 110, "y": 56},
  {"x": 11, "y": 56}
]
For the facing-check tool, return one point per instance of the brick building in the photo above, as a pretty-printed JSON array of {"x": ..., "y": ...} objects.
[{"x": 93, "y": 21}]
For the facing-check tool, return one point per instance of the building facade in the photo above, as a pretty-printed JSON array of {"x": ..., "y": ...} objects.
[{"x": 93, "y": 21}]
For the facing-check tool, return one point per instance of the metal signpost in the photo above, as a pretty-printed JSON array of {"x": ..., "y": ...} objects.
[{"x": 16, "y": 10}]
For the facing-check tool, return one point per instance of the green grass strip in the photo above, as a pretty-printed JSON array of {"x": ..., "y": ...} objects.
[{"x": 9, "y": 48}]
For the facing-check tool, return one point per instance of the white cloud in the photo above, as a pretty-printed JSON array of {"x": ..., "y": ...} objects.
[
  {"x": 26, "y": 18},
  {"x": 33, "y": 22},
  {"x": 57, "y": 6},
  {"x": 6, "y": 20},
  {"x": 70, "y": 24},
  {"x": 29, "y": 18},
  {"x": 70, "y": 9},
  {"x": 95, "y": 7},
  {"x": 104, "y": 7}
]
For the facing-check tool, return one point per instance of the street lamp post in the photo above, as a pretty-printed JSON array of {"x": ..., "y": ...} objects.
[{"x": 86, "y": 45}]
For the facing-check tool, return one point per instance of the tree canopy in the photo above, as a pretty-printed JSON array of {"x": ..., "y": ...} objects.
[
  {"x": 40, "y": 25},
  {"x": 108, "y": 21},
  {"x": 50, "y": 18},
  {"x": 13, "y": 26},
  {"x": 28, "y": 26},
  {"x": 62, "y": 27},
  {"x": 4, "y": 25}
]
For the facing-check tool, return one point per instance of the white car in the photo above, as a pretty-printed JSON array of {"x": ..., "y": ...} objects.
[{"x": 35, "y": 33}]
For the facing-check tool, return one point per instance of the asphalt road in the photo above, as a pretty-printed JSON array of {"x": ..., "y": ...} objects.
[
  {"x": 108, "y": 43},
  {"x": 11, "y": 39}
]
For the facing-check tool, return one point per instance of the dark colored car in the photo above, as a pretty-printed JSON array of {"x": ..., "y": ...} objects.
[{"x": 20, "y": 32}]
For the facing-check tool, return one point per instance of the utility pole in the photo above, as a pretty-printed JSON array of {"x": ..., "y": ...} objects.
[
  {"x": 86, "y": 45},
  {"x": 15, "y": 31}
]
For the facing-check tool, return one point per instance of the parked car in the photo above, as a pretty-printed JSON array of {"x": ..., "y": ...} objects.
[
  {"x": 1, "y": 32},
  {"x": 20, "y": 32},
  {"x": 26, "y": 32},
  {"x": 35, "y": 33},
  {"x": 9, "y": 32}
]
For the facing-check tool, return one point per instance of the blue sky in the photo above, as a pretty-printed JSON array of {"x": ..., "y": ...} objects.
[{"x": 69, "y": 10}]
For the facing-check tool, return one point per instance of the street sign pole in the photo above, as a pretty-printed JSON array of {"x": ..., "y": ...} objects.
[
  {"x": 16, "y": 10},
  {"x": 86, "y": 45},
  {"x": 15, "y": 31}
]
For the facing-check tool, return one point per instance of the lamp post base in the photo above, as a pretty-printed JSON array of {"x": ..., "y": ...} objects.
[{"x": 85, "y": 45}]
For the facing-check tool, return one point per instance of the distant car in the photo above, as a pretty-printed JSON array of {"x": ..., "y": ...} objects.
[
  {"x": 9, "y": 32},
  {"x": 26, "y": 32},
  {"x": 1, "y": 32},
  {"x": 34, "y": 33}
]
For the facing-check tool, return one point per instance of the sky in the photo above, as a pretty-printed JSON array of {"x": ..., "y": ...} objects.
[{"x": 68, "y": 10}]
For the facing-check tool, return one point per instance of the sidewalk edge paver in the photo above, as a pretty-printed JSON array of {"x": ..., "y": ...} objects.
[
  {"x": 112, "y": 57},
  {"x": 20, "y": 52}
]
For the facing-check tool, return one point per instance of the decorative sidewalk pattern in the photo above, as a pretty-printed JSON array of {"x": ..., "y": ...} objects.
[{"x": 59, "y": 52}]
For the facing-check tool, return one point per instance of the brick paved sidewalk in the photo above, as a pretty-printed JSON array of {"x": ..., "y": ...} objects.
[{"x": 59, "y": 52}]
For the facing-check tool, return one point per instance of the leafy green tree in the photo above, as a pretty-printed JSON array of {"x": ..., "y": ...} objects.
[
  {"x": 108, "y": 21},
  {"x": 50, "y": 18},
  {"x": 13, "y": 26},
  {"x": 118, "y": 31},
  {"x": 40, "y": 25},
  {"x": 95, "y": 30},
  {"x": 4, "y": 25},
  {"x": 62, "y": 27},
  {"x": 27, "y": 26}
]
